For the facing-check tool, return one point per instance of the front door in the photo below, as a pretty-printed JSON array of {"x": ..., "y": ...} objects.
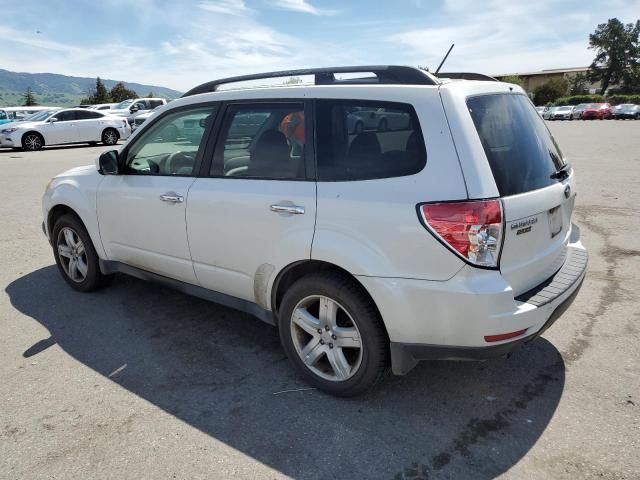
[
  {"x": 142, "y": 211},
  {"x": 62, "y": 130},
  {"x": 255, "y": 214}
]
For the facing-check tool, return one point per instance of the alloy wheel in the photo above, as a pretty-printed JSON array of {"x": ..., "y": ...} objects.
[
  {"x": 33, "y": 142},
  {"x": 326, "y": 338},
  {"x": 72, "y": 254},
  {"x": 110, "y": 137}
]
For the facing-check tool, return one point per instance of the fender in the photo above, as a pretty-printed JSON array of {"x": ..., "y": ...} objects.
[{"x": 77, "y": 189}]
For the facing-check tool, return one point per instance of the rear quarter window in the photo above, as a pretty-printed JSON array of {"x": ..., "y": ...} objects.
[
  {"x": 520, "y": 149},
  {"x": 363, "y": 140}
]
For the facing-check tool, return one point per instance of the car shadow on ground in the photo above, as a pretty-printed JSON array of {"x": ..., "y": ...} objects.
[{"x": 224, "y": 373}]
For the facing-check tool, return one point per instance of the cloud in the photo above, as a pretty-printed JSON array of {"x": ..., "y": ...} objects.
[
  {"x": 301, "y": 6},
  {"x": 228, "y": 7},
  {"x": 501, "y": 36}
]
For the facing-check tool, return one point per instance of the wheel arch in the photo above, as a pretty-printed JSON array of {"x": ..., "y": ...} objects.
[
  {"x": 296, "y": 270},
  {"x": 28, "y": 132}
]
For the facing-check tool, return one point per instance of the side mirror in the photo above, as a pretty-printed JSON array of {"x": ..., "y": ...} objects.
[
  {"x": 53, "y": 120},
  {"x": 108, "y": 162},
  {"x": 134, "y": 108}
]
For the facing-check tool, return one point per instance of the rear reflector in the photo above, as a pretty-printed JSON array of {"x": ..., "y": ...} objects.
[
  {"x": 472, "y": 229},
  {"x": 503, "y": 336}
]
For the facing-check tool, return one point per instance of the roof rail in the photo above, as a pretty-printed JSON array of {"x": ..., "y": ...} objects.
[
  {"x": 384, "y": 74},
  {"x": 466, "y": 76}
]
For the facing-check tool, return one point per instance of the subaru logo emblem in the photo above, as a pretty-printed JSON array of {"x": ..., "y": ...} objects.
[{"x": 567, "y": 191}]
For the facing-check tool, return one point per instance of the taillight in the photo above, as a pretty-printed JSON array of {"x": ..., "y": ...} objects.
[{"x": 472, "y": 229}]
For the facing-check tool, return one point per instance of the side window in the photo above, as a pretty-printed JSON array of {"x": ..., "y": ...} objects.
[
  {"x": 361, "y": 140},
  {"x": 66, "y": 116},
  {"x": 154, "y": 103},
  {"x": 262, "y": 141},
  {"x": 170, "y": 145},
  {"x": 3, "y": 115},
  {"x": 88, "y": 115},
  {"x": 141, "y": 105}
]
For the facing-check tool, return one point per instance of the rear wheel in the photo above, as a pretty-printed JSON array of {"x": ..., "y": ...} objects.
[
  {"x": 333, "y": 334},
  {"x": 75, "y": 256},
  {"x": 110, "y": 136},
  {"x": 32, "y": 141}
]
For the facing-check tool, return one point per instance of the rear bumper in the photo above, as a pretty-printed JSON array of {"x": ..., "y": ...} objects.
[
  {"x": 405, "y": 356},
  {"x": 449, "y": 320}
]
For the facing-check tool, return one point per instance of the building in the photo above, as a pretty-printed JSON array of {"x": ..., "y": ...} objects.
[{"x": 531, "y": 80}]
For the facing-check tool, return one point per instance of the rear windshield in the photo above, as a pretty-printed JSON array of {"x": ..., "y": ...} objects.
[{"x": 521, "y": 151}]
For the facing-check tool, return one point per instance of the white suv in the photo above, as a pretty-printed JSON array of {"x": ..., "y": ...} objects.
[{"x": 445, "y": 236}]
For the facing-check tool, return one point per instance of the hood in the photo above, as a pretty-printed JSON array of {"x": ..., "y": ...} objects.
[{"x": 79, "y": 171}]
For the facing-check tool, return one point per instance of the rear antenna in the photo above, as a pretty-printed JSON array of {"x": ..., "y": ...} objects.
[{"x": 444, "y": 59}]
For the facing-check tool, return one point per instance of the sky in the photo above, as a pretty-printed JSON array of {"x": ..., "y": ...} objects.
[{"x": 182, "y": 43}]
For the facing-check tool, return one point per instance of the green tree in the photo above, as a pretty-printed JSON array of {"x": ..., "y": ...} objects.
[
  {"x": 29, "y": 98},
  {"x": 549, "y": 91},
  {"x": 120, "y": 93},
  {"x": 513, "y": 79},
  {"x": 101, "y": 95},
  {"x": 578, "y": 84},
  {"x": 617, "y": 50}
]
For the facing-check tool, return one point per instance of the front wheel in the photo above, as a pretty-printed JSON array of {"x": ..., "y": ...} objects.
[
  {"x": 32, "y": 142},
  {"x": 75, "y": 256},
  {"x": 110, "y": 136},
  {"x": 333, "y": 334}
]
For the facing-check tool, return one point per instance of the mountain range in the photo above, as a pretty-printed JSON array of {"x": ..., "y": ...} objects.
[{"x": 62, "y": 90}]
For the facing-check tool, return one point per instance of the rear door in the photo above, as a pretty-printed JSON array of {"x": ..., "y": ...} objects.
[
  {"x": 255, "y": 213},
  {"x": 537, "y": 200},
  {"x": 89, "y": 124}
]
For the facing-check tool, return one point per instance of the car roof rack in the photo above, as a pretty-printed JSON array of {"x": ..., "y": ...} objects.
[
  {"x": 383, "y": 74},
  {"x": 466, "y": 76}
]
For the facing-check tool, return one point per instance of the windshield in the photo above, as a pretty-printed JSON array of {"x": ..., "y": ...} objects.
[
  {"x": 123, "y": 105},
  {"x": 522, "y": 153},
  {"x": 38, "y": 116},
  {"x": 564, "y": 108}
]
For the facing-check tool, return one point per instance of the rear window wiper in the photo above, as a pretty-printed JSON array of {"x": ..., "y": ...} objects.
[{"x": 562, "y": 172}]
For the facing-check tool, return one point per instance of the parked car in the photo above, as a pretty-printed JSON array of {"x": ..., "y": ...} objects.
[
  {"x": 74, "y": 125},
  {"x": 103, "y": 106},
  {"x": 576, "y": 114},
  {"x": 627, "y": 111},
  {"x": 364, "y": 249},
  {"x": 562, "y": 113},
  {"x": 598, "y": 111},
  {"x": 139, "y": 119},
  {"x": 12, "y": 114},
  {"x": 380, "y": 119},
  {"x": 547, "y": 114},
  {"x": 541, "y": 110},
  {"x": 134, "y": 106}
]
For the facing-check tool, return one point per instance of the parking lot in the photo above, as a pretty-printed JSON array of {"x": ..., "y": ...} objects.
[{"x": 137, "y": 381}]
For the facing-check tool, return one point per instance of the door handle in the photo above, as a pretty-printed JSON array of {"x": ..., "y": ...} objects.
[
  {"x": 294, "y": 209},
  {"x": 172, "y": 197}
]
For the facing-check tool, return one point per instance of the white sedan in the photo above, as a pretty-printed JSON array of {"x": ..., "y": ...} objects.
[{"x": 74, "y": 125}]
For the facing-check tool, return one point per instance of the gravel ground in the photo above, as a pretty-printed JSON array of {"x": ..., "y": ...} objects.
[{"x": 137, "y": 381}]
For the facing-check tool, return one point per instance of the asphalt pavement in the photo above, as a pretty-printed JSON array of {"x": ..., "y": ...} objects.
[{"x": 138, "y": 381}]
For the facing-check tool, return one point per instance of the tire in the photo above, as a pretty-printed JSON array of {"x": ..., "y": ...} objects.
[
  {"x": 343, "y": 371},
  {"x": 110, "y": 136},
  {"x": 32, "y": 141},
  {"x": 72, "y": 242},
  {"x": 383, "y": 126}
]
